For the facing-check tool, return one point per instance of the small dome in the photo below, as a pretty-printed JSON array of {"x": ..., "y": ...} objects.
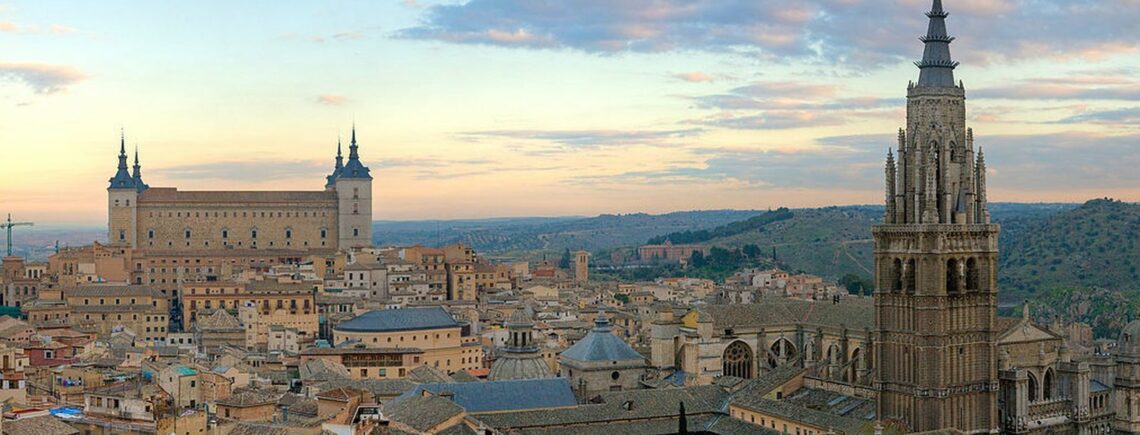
[
  {"x": 1129, "y": 343},
  {"x": 520, "y": 318}
]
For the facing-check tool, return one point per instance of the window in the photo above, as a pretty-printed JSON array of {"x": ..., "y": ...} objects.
[
  {"x": 324, "y": 233},
  {"x": 122, "y": 234},
  {"x": 253, "y": 233},
  {"x": 288, "y": 233},
  {"x": 356, "y": 232},
  {"x": 225, "y": 233},
  {"x": 150, "y": 234},
  {"x": 187, "y": 233}
]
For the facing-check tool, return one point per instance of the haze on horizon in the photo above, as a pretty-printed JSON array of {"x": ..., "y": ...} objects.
[{"x": 487, "y": 108}]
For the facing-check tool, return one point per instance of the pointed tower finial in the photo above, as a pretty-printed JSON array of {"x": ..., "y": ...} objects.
[
  {"x": 936, "y": 67},
  {"x": 122, "y": 178},
  {"x": 352, "y": 154}
]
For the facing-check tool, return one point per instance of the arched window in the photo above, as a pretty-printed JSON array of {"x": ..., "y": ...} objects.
[
  {"x": 150, "y": 233},
  {"x": 1047, "y": 391},
  {"x": 737, "y": 360},
  {"x": 852, "y": 374},
  {"x": 253, "y": 233},
  {"x": 973, "y": 281},
  {"x": 897, "y": 276},
  {"x": 186, "y": 232},
  {"x": 356, "y": 232},
  {"x": 908, "y": 280},
  {"x": 225, "y": 233},
  {"x": 953, "y": 283},
  {"x": 288, "y": 233},
  {"x": 782, "y": 351},
  {"x": 1033, "y": 397},
  {"x": 324, "y": 233}
]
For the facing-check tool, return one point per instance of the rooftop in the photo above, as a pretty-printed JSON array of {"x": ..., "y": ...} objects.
[
  {"x": 498, "y": 396},
  {"x": 601, "y": 345},
  {"x": 405, "y": 319}
]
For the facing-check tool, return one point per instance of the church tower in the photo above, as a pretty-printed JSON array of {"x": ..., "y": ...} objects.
[
  {"x": 122, "y": 200},
  {"x": 1127, "y": 382},
  {"x": 353, "y": 185},
  {"x": 936, "y": 261}
]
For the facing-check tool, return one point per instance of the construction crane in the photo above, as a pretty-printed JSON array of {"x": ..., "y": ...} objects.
[{"x": 8, "y": 226}]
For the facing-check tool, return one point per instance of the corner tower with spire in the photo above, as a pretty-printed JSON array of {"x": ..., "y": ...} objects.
[
  {"x": 353, "y": 185},
  {"x": 936, "y": 261},
  {"x": 122, "y": 199}
]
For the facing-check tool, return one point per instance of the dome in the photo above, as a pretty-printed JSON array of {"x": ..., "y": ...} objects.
[
  {"x": 516, "y": 366},
  {"x": 520, "y": 318},
  {"x": 1129, "y": 343}
]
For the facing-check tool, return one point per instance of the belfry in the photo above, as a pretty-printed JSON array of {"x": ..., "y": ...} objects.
[{"x": 936, "y": 261}]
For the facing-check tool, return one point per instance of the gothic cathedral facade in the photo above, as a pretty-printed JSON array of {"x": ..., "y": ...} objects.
[{"x": 936, "y": 256}]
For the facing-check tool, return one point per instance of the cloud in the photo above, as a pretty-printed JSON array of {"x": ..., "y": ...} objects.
[
  {"x": 42, "y": 78},
  {"x": 248, "y": 171},
  {"x": 694, "y": 77},
  {"x": 772, "y": 120},
  {"x": 61, "y": 29},
  {"x": 547, "y": 142},
  {"x": 1063, "y": 161},
  {"x": 348, "y": 35},
  {"x": 859, "y": 33},
  {"x": 1082, "y": 86},
  {"x": 775, "y": 105},
  {"x": 332, "y": 100},
  {"x": 13, "y": 27},
  {"x": 1128, "y": 117},
  {"x": 847, "y": 162}
]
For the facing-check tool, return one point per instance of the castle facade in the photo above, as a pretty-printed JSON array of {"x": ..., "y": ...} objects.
[{"x": 168, "y": 219}]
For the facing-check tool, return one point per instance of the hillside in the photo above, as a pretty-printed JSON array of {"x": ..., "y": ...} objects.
[
  {"x": 1092, "y": 246},
  {"x": 836, "y": 241},
  {"x": 524, "y": 237},
  {"x": 831, "y": 241}
]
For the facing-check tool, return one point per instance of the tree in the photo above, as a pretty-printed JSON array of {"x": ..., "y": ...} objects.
[
  {"x": 856, "y": 284},
  {"x": 697, "y": 259},
  {"x": 751, "y": 251},
  {"x": 624, "y": 298},
  {"x": 564, "y": 263},
  {"x": 683, "y": 424}
]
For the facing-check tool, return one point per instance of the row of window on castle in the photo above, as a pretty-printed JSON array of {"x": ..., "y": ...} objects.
[{"x": 225, "y": 233}]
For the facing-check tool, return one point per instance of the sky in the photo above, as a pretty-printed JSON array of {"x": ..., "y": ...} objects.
[{"x": 486, "y": 108}]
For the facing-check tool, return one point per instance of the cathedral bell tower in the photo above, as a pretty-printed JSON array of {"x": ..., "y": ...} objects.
[{"x": 936, "y": 261}]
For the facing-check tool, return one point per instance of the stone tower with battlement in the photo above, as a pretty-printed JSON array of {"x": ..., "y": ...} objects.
[{"x": 936, "y": 261}]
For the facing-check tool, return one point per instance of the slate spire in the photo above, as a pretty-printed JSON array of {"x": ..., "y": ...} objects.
[
  {"x": 936, "y": 67},
  {"x": 136, "y": 173},
  {"x": 122, "y": 178},
  {"x": 353, "y": 168},
  {"x": 339, "y": 156},
  {"x": 352, "y": 154}
]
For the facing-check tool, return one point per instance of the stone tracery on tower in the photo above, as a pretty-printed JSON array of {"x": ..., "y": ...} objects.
[{"x": 936, "y": 260}]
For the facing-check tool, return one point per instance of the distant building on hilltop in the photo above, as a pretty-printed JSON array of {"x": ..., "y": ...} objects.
[
  {"x": 167, "y": 219},
  {"x": 669, "y": 252}
]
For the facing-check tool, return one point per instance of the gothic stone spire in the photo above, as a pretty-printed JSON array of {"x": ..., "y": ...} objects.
[{"x": 936, "y": 67}]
